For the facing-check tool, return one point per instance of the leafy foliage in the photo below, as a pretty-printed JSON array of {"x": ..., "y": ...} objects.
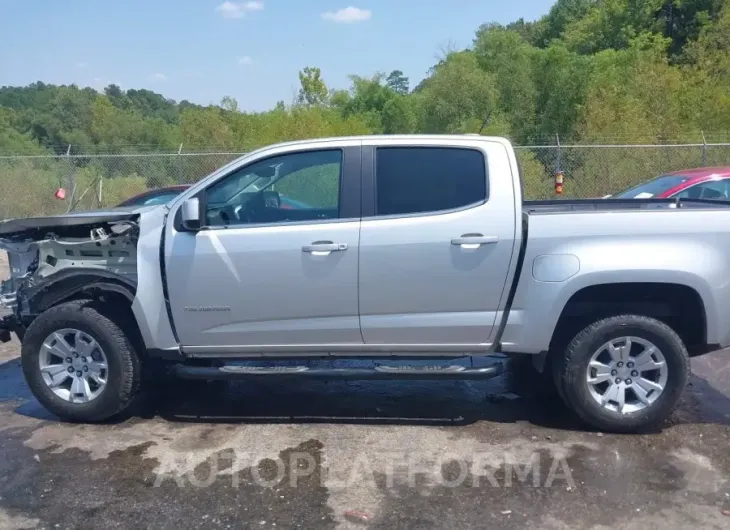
[
  {"x": 589, "y": 69},
  {"x": 648, "y": 71}
]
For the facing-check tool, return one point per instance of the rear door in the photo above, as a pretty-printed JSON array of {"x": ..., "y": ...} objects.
[{"x": 436, "y": 241}]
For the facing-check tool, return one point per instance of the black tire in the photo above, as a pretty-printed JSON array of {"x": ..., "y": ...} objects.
[
  {"x": 556, "y": 361},
  {"x": 571, "y": 368},
  {"x": 124, "y": 369}
]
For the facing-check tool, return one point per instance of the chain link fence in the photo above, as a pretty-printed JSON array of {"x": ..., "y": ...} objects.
[
  {"x": 29, "y": 183},
  {"x": 598, "y": 170}
]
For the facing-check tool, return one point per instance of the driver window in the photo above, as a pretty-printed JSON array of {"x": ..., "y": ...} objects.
[{"x": 303, "y": 186}]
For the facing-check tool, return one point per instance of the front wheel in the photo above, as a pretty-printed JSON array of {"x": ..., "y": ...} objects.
[
  {"x": 79, "y": 363},
  {"x": 624, "y": 373}
]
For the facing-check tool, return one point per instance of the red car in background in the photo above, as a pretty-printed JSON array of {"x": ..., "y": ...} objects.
[
  {"x": 156, "y": 196},
  {"x": 698, "y": 183}
]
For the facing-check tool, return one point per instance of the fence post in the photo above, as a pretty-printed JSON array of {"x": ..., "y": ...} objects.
[
  {"x": 704, "y": 149},
  {"x": 98, "y": 191},
  {"x": 558, "y": 168},
  {"x": 181, "y": 173},
  {"x": 71, "y": 182}
]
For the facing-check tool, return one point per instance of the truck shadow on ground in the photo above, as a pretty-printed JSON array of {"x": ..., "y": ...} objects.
[
  {"x": 366, "y": 403},
  {"x": 12, "y": 383},
  {"x": 514, "y": 397},
  {"x": 517, "y": 396}
]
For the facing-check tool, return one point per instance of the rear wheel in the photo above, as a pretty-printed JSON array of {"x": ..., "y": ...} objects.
[
  {"x": 623, "y": 373},
  {"x": 79, "y": 363}
]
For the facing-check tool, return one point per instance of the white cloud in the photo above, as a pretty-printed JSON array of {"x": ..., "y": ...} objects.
[
  {"x": 159, "y": 77},
  {"x": 253, "y": 6},
  {"x": 81, "y": 64},
  {"x": 245, "y": 60},
  {"x": 238, "y": 9},
  {"x": 348, "y": 15}
]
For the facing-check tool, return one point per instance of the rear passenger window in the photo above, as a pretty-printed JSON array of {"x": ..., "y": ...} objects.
[{"x": 428, "y": 179}]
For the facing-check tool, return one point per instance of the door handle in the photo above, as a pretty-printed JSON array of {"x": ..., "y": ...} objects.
[
  {"x": 474, "y": 240},
  {"x": 324, "y": 248}
]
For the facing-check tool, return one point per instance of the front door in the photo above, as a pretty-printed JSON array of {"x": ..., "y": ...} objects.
[
  {"x": 275, "y": 267},
  {"x": 436, "y": 248}
]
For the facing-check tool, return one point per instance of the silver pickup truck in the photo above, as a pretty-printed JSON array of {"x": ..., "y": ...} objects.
[{"x": 399, "y": 249}]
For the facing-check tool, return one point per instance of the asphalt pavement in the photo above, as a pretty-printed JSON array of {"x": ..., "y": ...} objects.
[{"x": 496, "y": 454}]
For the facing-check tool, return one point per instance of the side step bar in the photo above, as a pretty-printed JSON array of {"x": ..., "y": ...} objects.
[{"x": 238, "y": 372}]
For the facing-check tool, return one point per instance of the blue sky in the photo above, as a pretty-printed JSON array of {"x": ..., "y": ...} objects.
[{"x": 202, "y": 50}]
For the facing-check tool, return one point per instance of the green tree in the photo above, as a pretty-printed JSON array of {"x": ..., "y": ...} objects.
[
  {"x": 622, "y": 103},
  {"x": 113, "y": 92},
  {"x": 613, "y": 24},
  {"x": 12, "y": 141},
  {"x": 461, "y": 97},
  {"x": 710, "y": 52},
  {"x": 561, "y": 80},
  {"x": 531, "y": 32},
  {"x": 229, "y": 104},
  {"x": 398, "y": 82},
  {"x": 509, "y": 59},
  {"x": 340, "y": 99},
  {"x": 205, "y": 129},
  {"x": 561, "y": 15},
  {"x": 683, "y": 20},
  {"x": 400, "y": 115},
  {"x": 313, "y": 90},
  {"x": 368, "y": 98}
]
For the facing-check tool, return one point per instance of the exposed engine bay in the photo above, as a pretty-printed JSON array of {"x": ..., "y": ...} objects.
[{"x": 76, "y": 252}]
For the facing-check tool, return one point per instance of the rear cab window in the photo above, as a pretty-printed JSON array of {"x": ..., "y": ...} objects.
[{"x": 420, "y": 180}]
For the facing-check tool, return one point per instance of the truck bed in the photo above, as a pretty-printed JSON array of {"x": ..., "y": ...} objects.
[{"x": 606, "y": 205}]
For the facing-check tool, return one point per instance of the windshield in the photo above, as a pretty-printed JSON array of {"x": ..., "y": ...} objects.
[{"x": 652, "y": 188}]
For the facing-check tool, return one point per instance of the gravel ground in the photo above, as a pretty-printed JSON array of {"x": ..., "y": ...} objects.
[{"x": 363, "y": 454}]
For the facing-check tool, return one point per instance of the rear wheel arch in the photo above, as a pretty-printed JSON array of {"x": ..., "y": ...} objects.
[{"x": 679, "y": 306}]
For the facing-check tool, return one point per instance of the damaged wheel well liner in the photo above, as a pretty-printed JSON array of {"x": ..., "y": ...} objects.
[
  {"x": 69, "y": 284},
  {"x": 114, "y": 292}
]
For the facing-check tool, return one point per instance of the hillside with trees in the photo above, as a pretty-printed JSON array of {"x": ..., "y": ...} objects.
[{"x": 590, "y": 71}]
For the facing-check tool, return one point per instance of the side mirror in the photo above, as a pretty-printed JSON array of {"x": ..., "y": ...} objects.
[{"x": 191, "y": 214}]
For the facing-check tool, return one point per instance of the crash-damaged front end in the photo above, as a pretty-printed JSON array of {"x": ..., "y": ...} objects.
[{"x": 52, "y": 259}]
